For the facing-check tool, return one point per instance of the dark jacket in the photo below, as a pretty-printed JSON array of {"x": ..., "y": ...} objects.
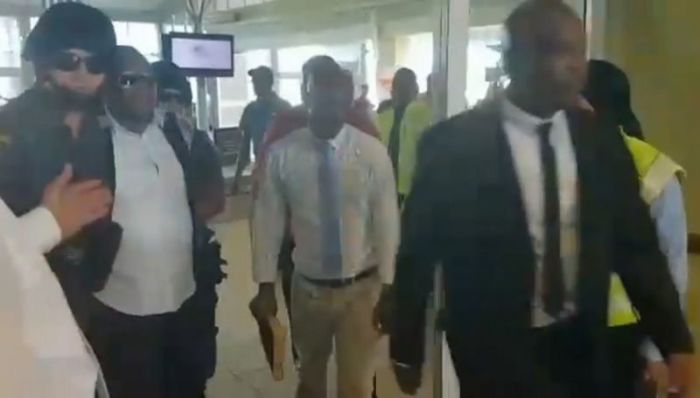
[
  {"x": 466, "y": 213},
  {"x": 37, "y": 154}
]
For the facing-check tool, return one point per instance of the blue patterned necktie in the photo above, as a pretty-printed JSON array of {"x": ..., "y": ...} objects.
[{"x": 329, "y": 210}]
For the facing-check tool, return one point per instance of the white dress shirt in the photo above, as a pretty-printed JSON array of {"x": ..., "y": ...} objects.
[
  {"x": 42, "y": 351},
  {"x": 523, "y": 139},
  {"x": 369, "y": 233},
  {"x": 153, "y": 269}
]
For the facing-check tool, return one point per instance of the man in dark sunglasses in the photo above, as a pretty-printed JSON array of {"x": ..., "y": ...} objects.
[
  {"x": 146, "y": 322},
  {"x": 55, "y": 123},
  {"x": 69, "y": 48}
]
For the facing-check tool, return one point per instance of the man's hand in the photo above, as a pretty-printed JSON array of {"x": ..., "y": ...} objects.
[
  {"x": 384, "y": 311},
  {"x": 75, "y": 205},
  {"x": 408, "y": 378},
  {"x": 680, "y": 368},
  {"x": 264, "y": 305},
  {"x": 656, "y": 374}
]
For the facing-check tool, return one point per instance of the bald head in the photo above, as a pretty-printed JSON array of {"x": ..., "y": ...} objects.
[{"x": 545, "y": 56}]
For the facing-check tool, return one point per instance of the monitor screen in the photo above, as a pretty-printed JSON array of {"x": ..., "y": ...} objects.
[{"x": 200, "y": 54}]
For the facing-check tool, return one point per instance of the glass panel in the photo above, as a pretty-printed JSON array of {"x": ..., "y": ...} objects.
[
  {"x": 484, "y": 56},
  {"x": 289, "y": 89},
  {"x": 235, "y": 92},
  {"x": 10, "y": 45},
  {"x": 10, "y": 87},
  {"x": 142, "y": 36}
]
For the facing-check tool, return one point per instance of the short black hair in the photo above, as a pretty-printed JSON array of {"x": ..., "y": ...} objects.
[
  {"x": 405, "y": 75},
  {"x": 70, "y": 25},
  {"x": 527, "y": 15},
  {"x": 318, "y": 63}
]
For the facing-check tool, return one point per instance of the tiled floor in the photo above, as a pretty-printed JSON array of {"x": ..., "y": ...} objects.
[{"x": 242, "y": 370}]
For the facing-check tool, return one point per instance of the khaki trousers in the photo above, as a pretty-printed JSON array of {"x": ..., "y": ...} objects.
[{"x": 322, "y": 316}]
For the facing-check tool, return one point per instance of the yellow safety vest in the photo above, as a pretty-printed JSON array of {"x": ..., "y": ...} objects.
[
  {"x": 655, "y": 171},
  {"x": 416, "y": 120}
]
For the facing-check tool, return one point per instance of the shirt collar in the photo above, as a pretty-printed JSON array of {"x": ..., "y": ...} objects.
[
  {"x": 158, "y": 120},
  {"x": 516, "y": 115},
  {"x": 336, "y": 141}
]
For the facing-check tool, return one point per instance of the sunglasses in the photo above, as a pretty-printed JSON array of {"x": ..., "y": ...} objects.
[
  {"x": 69, "y": 62},
  {"x": 129, "y": 80}
]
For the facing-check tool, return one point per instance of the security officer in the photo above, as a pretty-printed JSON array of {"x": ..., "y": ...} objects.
[
  {"x": 401, "y": 125},
  {"x": 207, "y": 189},
  {"x": 608, "y": 93},
  {"x": 54, "y": 123}
]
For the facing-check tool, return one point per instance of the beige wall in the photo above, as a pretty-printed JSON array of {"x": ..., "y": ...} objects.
[{"x": 658, "y": 43}]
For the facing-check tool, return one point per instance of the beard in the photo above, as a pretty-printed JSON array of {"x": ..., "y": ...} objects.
[{"x": 73, "y": 100}]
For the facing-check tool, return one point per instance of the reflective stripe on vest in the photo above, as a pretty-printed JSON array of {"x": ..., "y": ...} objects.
[{"x": 655, "y": 171}]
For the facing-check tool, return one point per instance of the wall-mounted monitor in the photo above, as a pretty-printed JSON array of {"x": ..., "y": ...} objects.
[{"x": 200, "y": 55}]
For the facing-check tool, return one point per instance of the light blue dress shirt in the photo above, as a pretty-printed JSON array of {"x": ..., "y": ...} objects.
[{"x": 668, "y": 213}]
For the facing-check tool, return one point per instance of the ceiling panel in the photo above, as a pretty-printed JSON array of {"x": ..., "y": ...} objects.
[{"x": 129, "y": 5}]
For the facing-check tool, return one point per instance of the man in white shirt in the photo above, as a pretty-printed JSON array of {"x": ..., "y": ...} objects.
[
  {"x": 42, "y": 351},
  {"x": 139, "y": 325},
  {"x": 338, "y": 186}
]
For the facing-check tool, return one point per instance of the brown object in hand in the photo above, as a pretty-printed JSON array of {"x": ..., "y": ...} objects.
[{"x": 273, "y": 336}]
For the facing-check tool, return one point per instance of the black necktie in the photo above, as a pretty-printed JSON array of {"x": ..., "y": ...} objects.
[{"x": 553, "y": 279}]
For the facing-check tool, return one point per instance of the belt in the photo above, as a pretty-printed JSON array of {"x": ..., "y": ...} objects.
[{"x": 342, "y": 282}]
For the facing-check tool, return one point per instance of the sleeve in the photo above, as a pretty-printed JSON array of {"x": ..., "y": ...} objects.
[
  {"x": 15, "y": 181},
  {"x": 209, "y": 192},
  {"x": 668, "y": 213},
  {"x": 419, "y": 250},
  {"x": 269, "y": 222},
  {"x": 385, "y": 216},
  {"x": 39, "y": 229},
  {"x": 638, "y": 260},
  {"x": 247, "y": 139}
]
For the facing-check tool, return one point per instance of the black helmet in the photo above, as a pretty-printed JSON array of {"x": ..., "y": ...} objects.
[
  {"x": 171, "y": 79},
  {"x": 70, "y": 25}
]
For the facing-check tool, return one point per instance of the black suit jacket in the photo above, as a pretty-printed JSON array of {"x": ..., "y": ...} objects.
[{"x": 466, "y": 213}]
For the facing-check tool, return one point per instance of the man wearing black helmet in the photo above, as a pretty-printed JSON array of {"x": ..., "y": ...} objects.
[
  {"x": 207, "y": 191},
  {"x": 69, "y": 48},
  {"x": 55, "y": 123}
]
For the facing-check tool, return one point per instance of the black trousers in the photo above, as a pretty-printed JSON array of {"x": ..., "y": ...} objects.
[
  {"x": 159, "y": 356},
  {"x": 626, "y": 363},
  {"x": 562, "y": 369}
]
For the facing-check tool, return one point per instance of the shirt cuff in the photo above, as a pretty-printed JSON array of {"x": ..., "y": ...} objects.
[
  {"x": 265, "y": 271},
  {"x": 650, "y": 351},
  {"x": 386, "y": 274},
  {"x": 39, "y": 229}
]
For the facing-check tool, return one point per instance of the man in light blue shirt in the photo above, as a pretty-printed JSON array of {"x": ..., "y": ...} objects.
[{"x": 338, "y": 187}]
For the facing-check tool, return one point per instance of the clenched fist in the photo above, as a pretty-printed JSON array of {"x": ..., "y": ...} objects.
[{"x": 75, "y": 205}]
